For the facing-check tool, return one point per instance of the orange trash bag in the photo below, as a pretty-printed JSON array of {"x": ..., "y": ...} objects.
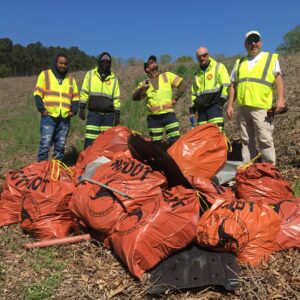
[
  {"x": 247, "y": 229},
  {"x": 264, "y": 182},
  {"x": 107, "y": 144},
  {"x": 210, "y": 190},
  {"x": 45, "y": 205},
  {"x": 164, "y": 224},
  {"x": 201, "y": 151},
  {"x": 100, "y": 208},
  {"x": 289, "y": 234},
  {"x": 10, "y": 207},
  {"x": 16, "y": 182}
]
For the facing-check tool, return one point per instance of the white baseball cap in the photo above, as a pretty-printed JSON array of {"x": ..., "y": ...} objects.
[{"x": 252, "y": 32}]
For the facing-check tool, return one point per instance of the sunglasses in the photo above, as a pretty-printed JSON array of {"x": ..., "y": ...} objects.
[
  {"x": 202, "y": 55},
  {"x": 254, "y": 39}
]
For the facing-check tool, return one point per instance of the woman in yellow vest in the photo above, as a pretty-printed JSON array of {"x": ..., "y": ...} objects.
[
  {"x": 57, "y": 99},
  {"x": 157, "y": 90},
  {"x": 253, "y": 79}
]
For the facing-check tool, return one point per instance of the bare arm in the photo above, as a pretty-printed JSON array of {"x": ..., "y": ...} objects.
[
  {"x": 180, "y": 90},
  {"x": 231, "y": 97},
  {"x": 280, "y": 102},
  {"x": 140, "y": 92}
]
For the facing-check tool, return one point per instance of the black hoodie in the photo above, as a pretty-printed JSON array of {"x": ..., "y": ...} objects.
[{"x": 104, "y": 72}]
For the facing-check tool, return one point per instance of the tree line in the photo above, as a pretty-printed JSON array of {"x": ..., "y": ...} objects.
[{"x": 17, "y": 60}]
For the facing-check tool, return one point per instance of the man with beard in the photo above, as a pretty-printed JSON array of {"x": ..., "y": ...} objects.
[
  {"x": 157, "y": 90},
  {"x": 100, "y": 92},
  {"x": 252, "y": 81},
  {"x": 57, "y": 99},
  {"x": 209, "y": 90}
]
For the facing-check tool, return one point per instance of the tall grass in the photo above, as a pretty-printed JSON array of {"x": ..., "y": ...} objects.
[{"x": 20, "y": 132}]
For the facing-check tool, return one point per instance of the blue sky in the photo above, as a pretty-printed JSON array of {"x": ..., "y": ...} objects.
[{"x": 140, "y": 28}]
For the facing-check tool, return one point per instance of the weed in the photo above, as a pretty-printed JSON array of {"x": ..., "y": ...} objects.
[
  {"x": 46, "y": 259},
  {"x": 297, "y": 188},
  {"x": 43, "y": 289}
]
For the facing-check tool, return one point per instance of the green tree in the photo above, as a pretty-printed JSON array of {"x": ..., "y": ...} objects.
[
  {"x": 36, "y": 58},
  {"x": 185, "y": 59},
  {"x": 5, "y": 56},
  {"x": 165, "y": 59},
  {"x": 4, "y": 71},
  {"x": 291, "y": 42},
  {"x": 18, "y": 60}
]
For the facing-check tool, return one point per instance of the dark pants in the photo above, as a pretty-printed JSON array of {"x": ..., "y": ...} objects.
[
  {"x": 212, "y": 114},
  {"x": 95, "y": 124},
  {"x": 168, "y": 122},
  {"x": 53, "y": 131}
]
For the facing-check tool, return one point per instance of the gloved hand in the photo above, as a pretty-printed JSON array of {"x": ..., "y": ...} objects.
[
  {"x": 117, "y": 117},
  {"x": 82, "y": 113},
  {"x": 192, "y": 120},
  {"x": 222, "y": 101}
]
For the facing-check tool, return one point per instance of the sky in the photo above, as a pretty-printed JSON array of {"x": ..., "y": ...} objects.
[{"x": 132, "y": 28}]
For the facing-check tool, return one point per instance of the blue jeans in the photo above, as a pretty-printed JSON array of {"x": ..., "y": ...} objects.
[{"x": 53, "y": 131}]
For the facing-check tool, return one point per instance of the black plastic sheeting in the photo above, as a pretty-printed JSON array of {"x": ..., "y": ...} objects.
[
  {"x": 195, "y": 267},
  {"x": 155, "y": 155}
]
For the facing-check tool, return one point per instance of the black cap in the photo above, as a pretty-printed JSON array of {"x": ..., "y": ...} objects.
[{"x": 151, "y": 57}]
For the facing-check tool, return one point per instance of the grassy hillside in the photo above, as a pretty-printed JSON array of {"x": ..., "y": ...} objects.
[{"x": 88, "y": 271}]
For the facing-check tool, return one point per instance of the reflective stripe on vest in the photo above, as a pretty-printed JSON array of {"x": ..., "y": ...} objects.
[
  {"x": 262, "y": 80},
  {"x": 160, "y": 100},
  {"x": 57, "y": 102},
  {"x": 100, "y": 94},
  {"x": 210, "y": 91},
  {"x": 255, "y": 87}
]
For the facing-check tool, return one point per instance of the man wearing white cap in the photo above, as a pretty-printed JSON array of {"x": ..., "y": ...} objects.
[{"x": 252, "y": 82}]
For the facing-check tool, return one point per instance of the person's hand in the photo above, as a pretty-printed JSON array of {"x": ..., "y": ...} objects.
[
  {"x": 145, "y": 85},
  {"x": 70, "y": 114},
  {"x": 280, "y": 105},
  {"x": 45, "y": 113},
  {"x": 117, "y": 117},
  {"x": 229, "y": 112},
  {"x": 174, "y": 101},
  {"x": 82, "y": 113}
]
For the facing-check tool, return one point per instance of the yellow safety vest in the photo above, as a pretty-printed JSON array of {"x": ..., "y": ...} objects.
[
  {"x": 214, "y": 80},
  {"x": 56, "y": 97},
  {"x": 160, "y": 101},
  {"x": 92, "y": 86},
  {"x": 255, "y": 87}
]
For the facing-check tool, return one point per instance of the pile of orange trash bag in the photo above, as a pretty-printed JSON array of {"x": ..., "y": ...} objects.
[
  {"x": 248, "y": 229},
  {"x": 200, "y": 152},
  {"x": 107, "y": 144},
  {"x": 162, "y": 225},
  {"x": 264, "y": 182},
  {"x": 100, "y": 208},
  {"x": 211, "y": 191},
  {"x": 289, "y": 234},
  {"x": 45, "y": 204},
  {"x": 17, "y": 181}
]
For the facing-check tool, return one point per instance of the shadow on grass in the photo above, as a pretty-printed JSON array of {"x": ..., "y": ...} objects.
[{"x": 71, "y": 156}]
